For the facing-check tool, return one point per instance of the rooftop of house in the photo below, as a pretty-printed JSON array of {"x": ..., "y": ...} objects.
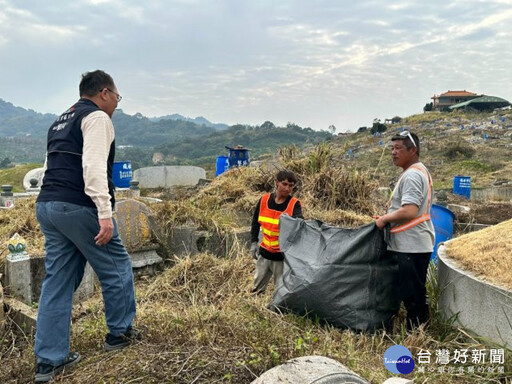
[{"x": 463, "y": 93}]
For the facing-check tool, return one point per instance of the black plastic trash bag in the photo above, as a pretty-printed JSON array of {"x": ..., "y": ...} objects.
[{"x": 336, "y": 275}]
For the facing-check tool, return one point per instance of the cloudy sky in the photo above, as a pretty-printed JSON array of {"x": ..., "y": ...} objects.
[{"x": 310, "y": 62}]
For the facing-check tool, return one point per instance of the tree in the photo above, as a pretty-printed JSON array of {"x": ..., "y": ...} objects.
[
  {"x": 332, "y": 128},
  {"x": 428, "y": 107},
  {"x": 5, "y": 163},
  {"x": 268, "y": 125},
  {"x": 378, "y": 126}
]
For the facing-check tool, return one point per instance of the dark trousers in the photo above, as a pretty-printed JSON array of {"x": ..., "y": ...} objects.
[{"x": 412, "y": 269}]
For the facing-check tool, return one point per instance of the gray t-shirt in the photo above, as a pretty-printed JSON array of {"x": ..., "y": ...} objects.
[{"x": 413, "y": 188}]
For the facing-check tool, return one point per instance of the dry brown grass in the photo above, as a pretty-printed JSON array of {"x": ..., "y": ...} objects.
[
  {"x": 22, "y": 220},
  {"x": 200, "y": 323},
  {"x": 487, "y": 253},
  {"x": 202, "y": 326}
]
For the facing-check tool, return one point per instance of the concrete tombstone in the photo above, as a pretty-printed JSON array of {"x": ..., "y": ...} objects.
[
  {"x": 133, "y": 222},
  {"x": 18, "y": 277},
  {"x": 134, "y": 225}
]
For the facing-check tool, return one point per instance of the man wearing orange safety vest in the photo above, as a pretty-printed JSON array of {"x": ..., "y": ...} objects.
[
  {"x": 412, "y": 232},
  {"x": 269, "y": 258}
]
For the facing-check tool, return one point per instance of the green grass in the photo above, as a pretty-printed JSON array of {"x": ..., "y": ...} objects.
[{"x": 14, "y": 176}]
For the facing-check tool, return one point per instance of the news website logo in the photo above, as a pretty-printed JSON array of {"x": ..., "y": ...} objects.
[{"x": 398, "y": 359}]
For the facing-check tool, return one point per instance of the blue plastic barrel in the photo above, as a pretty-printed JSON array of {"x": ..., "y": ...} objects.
[
  {"x": 442, "y": 218},
  {"x": 222, "y": 165},
  {"x": 122, "y": 174},
  {"x": 462, "y": 186},
  {"x": 238, "y": 156}
]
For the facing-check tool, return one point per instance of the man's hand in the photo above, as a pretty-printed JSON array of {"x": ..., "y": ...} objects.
[
  {"x": 106, "y": 231},
  {"x": 380, "y": 222},
  {"x": 254, "y": 250}
]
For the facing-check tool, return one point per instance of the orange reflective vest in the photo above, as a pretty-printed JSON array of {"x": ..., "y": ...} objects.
[
  {"x": 269, "y": 221},
  {"x": 425, "y": 216}
]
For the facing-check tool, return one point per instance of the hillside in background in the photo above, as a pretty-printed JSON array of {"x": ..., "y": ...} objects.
[
  {"x": 183, "y": 141},
  {"x": 457, "y": 143},
  {"x": 478, "y": 144},
  {"x": 130, "y": 130},
  {"x": 261, "y": 140}
]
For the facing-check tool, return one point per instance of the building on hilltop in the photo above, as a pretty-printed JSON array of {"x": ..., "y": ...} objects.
[
  {"x": 482, "y": 103},
  {"x": 445, "y": 100}
]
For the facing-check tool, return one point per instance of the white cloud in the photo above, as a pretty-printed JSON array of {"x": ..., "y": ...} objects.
[{"x": 314, "y": 63}]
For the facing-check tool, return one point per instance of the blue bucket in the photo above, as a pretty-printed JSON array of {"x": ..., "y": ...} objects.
[
  {"x": 222, "y": 165},
  {"x": 122, "y": 174},
  {"x": 462, "y": 186},
  {"x": 443, "y": 219}
]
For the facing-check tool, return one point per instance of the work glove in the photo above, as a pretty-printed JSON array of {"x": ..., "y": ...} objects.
[{"x": 254, "y": 250}]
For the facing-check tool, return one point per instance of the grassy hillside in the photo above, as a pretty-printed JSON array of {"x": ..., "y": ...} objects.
[
  {"x": 14, "y": 175},
  {"x": 476, "y": 145}
]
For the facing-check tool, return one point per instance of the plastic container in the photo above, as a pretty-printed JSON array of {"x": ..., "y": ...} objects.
[
  {"x": 122, "y": 174},
  {"x": 443, "y": 219},
  {"x": 239, "y": 157},
  {"x": 462, "y": 186},
  {"x": 222, "y": 165}
]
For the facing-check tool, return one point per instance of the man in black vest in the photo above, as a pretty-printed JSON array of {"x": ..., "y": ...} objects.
[{"x": 74, "y": 210}]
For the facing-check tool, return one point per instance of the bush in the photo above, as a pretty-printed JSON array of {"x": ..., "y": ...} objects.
[{"x": 458, "y": 150}]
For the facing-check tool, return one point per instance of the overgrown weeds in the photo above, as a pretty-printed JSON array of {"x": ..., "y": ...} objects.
[{"x": 201, "y": 325}]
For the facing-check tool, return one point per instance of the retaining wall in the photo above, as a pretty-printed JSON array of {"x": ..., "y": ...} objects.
[
  {"x": 481, "y": 307},
  {"x": 168, "y": 176}
]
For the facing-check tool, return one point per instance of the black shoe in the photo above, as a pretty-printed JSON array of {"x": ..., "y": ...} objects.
[
  {"x": 47, "y": 372},
  {"x": 123, "y": 340}
]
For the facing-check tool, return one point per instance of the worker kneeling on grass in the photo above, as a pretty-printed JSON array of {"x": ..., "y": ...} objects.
[{"x": 268, "y": 256}]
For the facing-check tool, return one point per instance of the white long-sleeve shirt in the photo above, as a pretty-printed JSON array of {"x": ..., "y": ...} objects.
[{"x": 98, "y": 134}]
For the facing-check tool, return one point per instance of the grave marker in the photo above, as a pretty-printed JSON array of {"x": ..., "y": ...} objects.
[{"x": 134, "y": 225}]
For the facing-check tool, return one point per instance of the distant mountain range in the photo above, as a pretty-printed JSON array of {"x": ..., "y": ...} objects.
[
  {"x": 177, "y": 139},
  {"x": 200, "y": 120},
  {"x": 17, "y": 121}
]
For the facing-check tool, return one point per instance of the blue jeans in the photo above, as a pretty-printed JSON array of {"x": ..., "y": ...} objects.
[{"x": 69, "y": 232}]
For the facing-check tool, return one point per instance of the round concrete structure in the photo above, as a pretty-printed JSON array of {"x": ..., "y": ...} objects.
[
  {"x": 36, "y": 173},
  {"x": 481, "y": 307},
  {"x": 309, "y": 370}
]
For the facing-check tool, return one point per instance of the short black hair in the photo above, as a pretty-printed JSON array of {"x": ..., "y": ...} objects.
[
  {"x": 285, "y": 174},
  {"x": 93, "y": 82},
  {"x": 406, "y": 140}
]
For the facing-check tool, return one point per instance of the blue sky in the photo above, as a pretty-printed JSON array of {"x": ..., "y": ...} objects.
[{"x": 313, "y": 63}]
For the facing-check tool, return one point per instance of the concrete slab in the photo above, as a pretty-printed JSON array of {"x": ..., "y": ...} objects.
[
  {"x": 309, "y": 370},
  {"x": 145, "y": 262},
  {"x": 22, "y": 314},
  {"x": 25, "y": 280},
  {"x": 168, "y": 176},
  {"x": 187, "y": 240},
  {"x": 481, "y": 307}
]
